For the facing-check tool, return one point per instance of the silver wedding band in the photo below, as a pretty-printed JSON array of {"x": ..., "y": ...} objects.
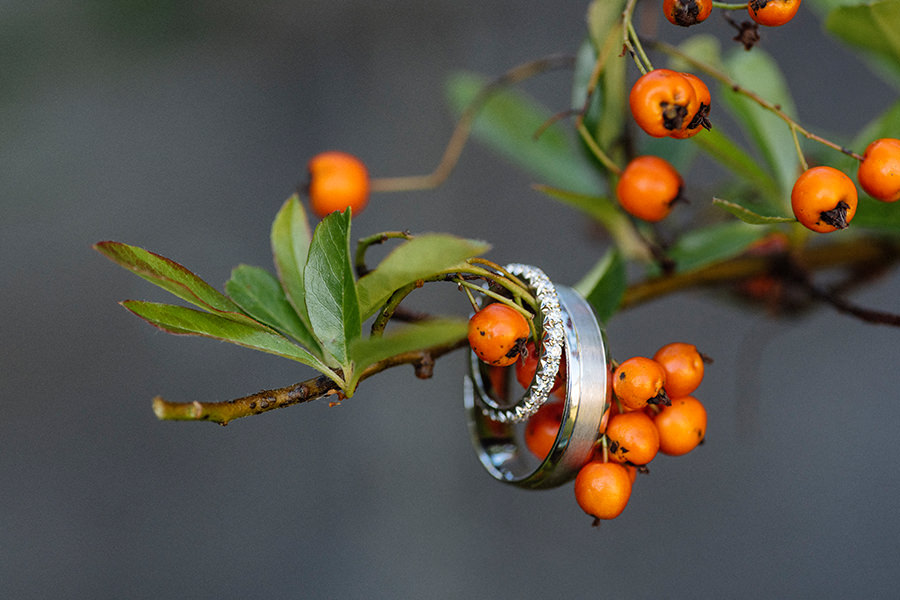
[{"x": 497, "y": 440}]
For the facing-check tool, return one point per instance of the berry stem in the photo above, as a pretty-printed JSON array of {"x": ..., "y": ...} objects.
[
  {"x": 729, "y": 6},
  {"x": 498, "y": 297},
  {"x": 735, "y": 87},
  {"x": 803, "y": 164},
  {"x": 632, "y": 42},
  {"x": 387, "y": 311},
  {"x": 494, "y": 266},
  {"x": 461, "y": 284},
  {"x": 595, "y": 149}
]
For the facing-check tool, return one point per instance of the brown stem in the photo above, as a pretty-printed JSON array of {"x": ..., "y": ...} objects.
[
  {"x": 379, "y": 238},
  {"x": 855, "y": 252},
  {"x": 298, "y": 393},
  {"x": 832, "y": 297},
  {"x": 457, "y": 142}
]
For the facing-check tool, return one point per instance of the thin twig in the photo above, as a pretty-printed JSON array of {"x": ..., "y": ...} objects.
[
  {"x": 379, "y": 238},
  {"x": 738, "y": 89},
  {"x": 463, "y": 128}
]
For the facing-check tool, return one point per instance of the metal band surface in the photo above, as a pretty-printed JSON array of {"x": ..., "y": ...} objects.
[
  {"x": 550, "y": 352},
  {"x": 501, "y": 452}
]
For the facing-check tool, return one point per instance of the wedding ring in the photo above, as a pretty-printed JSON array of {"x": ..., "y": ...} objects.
[
  {"x": 498, "y": 442},
  {"x": 549, "y": 352}
]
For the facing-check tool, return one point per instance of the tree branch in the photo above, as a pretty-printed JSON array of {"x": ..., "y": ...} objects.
[
  {"x": 858, "y": 253},
  {"x": 298, "y": 393}
]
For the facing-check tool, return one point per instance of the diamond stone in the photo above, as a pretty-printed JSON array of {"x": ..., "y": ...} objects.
[{"x": 550, "y": 354}]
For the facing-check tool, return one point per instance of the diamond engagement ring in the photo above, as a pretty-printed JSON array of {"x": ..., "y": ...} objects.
[
  {"x": 571, "y": 327},
  {"x": 549, "y": 354}
]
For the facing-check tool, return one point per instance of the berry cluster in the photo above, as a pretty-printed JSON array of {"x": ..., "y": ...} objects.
[
  {"x": 666, "y": 103},
  {"x": 651, "y": 411},
  {"x": 770, "y": 13},
  {"x": 651, "y": 407}
]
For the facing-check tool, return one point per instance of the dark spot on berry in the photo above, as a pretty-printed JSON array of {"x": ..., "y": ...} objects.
[
  {"x": 686, "y": 12},
  {"x": 622, "y": 376},
  {"x": 673, "y": 115},
  {"x": 660, "y": 398},
  {"x": 701, "y": 119},
  {"x": 837, "y": 216}
]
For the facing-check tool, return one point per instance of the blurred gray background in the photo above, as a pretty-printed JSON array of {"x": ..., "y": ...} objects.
[{"x": 181, "y": 127}]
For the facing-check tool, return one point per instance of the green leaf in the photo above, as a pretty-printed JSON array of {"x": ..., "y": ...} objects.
[
  {"x": 715, "y": 243},
  {"x": 758, "y": 72},
  {"x": 606, "y": 212},
  {"x": 604, "y": 285},
  {"x": 606, "y": 115},
  {"x": 260, "y": 295},
  {"x": 880, "y": 216},
  {"x": 748, "y": 215},
  {"x": 873, "y": 27},
  {"x": 411, "y": 338},
  {"x": 188, "y": 321},
  {"x": 703, "y": 47},
  {"x": 415, "y": 259},
  {"x": 585, "y": 63},
  {"x": 331, "y": 289},
  {"x": 678, "y": 153},
  {"x": 508, "y": 122},
  {"x": 290, "y": 244},
  {"x": 603, "y": 17},
  {"x": 167, "y": 274},
  {"x": 823, "y": 7},
  {"x": 727, "y": 153}
]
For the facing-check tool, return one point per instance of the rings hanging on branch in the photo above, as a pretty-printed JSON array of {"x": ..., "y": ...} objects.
[{"x": 570, "y": 329}]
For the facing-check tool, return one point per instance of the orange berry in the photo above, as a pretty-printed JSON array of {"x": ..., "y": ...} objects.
[
  {"x": 602, "y": 489},
  {"x": 684, "y": 368},
  {"x": 772, "y": 13},
  {"x": 639, "y": 381},
  {"x": 699, "y": 120},
  {"x": 662, "y": 101},
  {"x": 824, "y": 199},
  {"x": 632, "y": 438},
  {"x": 686, "y": 12},
  {"x": 527, "y": 365},
  {"x": 632, "y": 473},
  {"x": 497, "y": 333},
  {"x": 648, "y": 188},
  {"x": 542, "y": 428},
  {"x": 681, "y": 426},
  {"x": 337, "y": 181},
  {"x": 879, "y": 170}
]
